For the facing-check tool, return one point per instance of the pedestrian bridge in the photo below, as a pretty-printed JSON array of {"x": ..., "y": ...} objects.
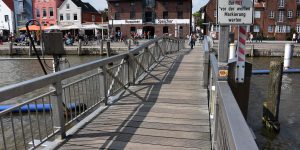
[{"x": 160, "y": 95}]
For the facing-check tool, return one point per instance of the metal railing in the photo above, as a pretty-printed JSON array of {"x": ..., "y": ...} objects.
[
  {"x": 44, "y": 108},
  {"x": 229, "y": 129}
]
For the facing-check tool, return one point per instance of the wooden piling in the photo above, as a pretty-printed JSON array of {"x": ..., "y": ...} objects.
[
  {"x": 271, "y": 104},
  {"x": 108, "y": 50},
  {"x": 79, "y": 47},
  {"x": 101, "y": 47}
]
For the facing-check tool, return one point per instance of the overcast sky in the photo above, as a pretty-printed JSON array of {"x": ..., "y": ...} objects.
[{"x": 101, "y": 4}]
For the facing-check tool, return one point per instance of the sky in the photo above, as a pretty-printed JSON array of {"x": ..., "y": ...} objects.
[{"x": 101, "y": 4}]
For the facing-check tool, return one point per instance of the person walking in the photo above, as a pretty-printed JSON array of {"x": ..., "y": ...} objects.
[
  {"x": 250, "y": 37},
  {"x": 192, "y": 38},
  {"x": 294, "y": 39}
]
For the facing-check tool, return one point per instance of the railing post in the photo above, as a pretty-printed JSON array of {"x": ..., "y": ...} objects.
[
  {"x": 129, "y": 44},
  {"x": 58, "y": 109},
  {"x": 103, "y": 90},
  {"x": 108, "y": 50},
  {"x": 101, "y": 47},
  {"x": 146, "y": 57}
]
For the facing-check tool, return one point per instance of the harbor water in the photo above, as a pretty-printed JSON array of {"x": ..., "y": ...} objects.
[{"x": 15, "y": 71}]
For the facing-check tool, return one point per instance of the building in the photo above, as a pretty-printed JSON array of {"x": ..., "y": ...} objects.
[
  {"x": 157, "y": 17},
  {"x": 76, "y": 12},
  {"x": 45, "y": 11},
  {"x": 23, "y": 12},
  {"x": 277, "y": 19},
  {"x": 7, "y": 17}
]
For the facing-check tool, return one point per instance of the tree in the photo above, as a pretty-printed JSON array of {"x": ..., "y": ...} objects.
[{"x": 198, "y": 20}]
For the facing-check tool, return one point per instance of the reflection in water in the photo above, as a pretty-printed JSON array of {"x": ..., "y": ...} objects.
[{"x": 289, "y": 113}]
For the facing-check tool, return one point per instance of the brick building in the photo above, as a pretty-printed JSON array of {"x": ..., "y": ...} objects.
[
  {"x": 273, "y": 19},
  {"x": 157, "y": 16}
]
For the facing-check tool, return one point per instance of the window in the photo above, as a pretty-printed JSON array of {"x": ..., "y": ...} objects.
[
  {"x": 298, "y": 28},
  {"x": 270, "y": 29},
  {"x": 288, "y": 29},
  {"x": 280, "y": 16},
  {"x": 132, "y": 4},
  {"x": 255, "y": 28},
  {"x": 50, "y": 11},
  {"x": 68, "y": 16},
  {"x": 68, "y": 6},
  {"x": 179, "y": 2},
  {"x": 165, "y": 15},
  {"x": 61, "y": 17},
  {"x": 93, "y": 18},
  {"x": 132, "y": 29},
  {"x": 256, "y": 14},
  {"x": 21, "y": 6},
  {"x": 165, "y": 29},
  {"x": 271, "y": 14},
  {"x": 117, "y": 4},
  {"x": 180, "y": 15},
  {"x": 281, "y": 29},
  {"x": 74, "y": 16},
  {"x": 132, "y": 14},
  {"x": 45, "y": 24},
  {"x": 165, "y": 3},
  {"x": 6, "y": 19},
  {"x": 215, "y": 13},
  {"x": 298, "y": 1},
  {"x": 149, "y": 3},
  {"x": 37, "y": 11},
  {"x": 117, "y": 16},
  {"x": 281, "y": 3},
  {"x": 298, "y": 13},
  {"x": 44, "y": 13},
  {"x": 290, "y": 14}
]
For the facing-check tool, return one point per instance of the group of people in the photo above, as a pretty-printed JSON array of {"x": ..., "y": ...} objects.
[
  {"x": 296, "y": 38},
  {"x": 259, "y": 37}
]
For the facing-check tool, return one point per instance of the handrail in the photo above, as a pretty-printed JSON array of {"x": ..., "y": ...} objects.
[
  {"x": 229, "y": 129},
  {"x": 69, "y": 96}
]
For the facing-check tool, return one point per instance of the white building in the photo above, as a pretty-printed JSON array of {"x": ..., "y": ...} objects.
[
  {"x": 69, "y": 14},
  {"x": 6, "y": 18}
]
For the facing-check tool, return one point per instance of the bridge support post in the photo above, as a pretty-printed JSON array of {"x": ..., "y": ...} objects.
[
  {"x": 271, "y": 105},
  {"x": 59, "y": 109}
]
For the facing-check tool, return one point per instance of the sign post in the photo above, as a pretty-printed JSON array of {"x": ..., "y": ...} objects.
[{"x": 237, "y": 12}]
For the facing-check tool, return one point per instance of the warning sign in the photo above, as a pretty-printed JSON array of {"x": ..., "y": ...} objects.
[{"x": 238, "y": 12}]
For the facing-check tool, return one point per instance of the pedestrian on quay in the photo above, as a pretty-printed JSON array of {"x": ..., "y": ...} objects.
[
  {"x": 250, "y": 37},
  {"x": 294, "y": 39},
  {"x": 192, "y": 39}
]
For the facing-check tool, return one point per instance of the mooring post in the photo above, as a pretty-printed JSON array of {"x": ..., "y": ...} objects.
[
  {"x": 10, "y": 47},
  {"x": 271, "y": 104},
  {"x": 101, "y": 47},
  {"x": 129, "y": 44},
  {"x": 79, "y": 47},
  {"x": 108, "y": 48}
]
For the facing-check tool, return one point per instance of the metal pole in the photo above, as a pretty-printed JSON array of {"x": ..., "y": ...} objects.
[{"x": 223, "y": 44}]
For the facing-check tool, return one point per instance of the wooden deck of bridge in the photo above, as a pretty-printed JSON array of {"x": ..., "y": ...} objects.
[{"x": 168, "y": 111}]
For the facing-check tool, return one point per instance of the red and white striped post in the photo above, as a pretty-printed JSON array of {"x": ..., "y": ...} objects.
[{"x": 240, "y": 65}]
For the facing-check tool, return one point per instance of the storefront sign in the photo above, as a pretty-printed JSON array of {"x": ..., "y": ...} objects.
[
  {"x": 133, "y": 21},
  {"x": 164, "y": 21}
]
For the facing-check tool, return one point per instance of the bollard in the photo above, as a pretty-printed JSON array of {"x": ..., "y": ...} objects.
[
  {"x": 108, "y": 48},
  {"x": 288, "y": 52},
  {"x": 30, "y": 50},
  {"x": 79, "y": 47},
  {"x": 232, "y": 51},
  {"x": 101, "y": 47},
  {"x": 252, "y": 50},
  {"x": 10, "y": 47},
  {"x": 129, "y": 44}
]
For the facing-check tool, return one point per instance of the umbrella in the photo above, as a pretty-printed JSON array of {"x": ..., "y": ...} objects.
[
  {"x": 32, "y": 28},
  {"x": 54, "y": 27}
]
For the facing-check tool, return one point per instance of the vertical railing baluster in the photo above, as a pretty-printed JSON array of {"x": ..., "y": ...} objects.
[
  {"x": 70, "y": 102},
  {"x": 75, "y": 102},
  {"x": 13, "y": 130},
  {"x": 30, "y": 125},
  {"x": 51, "y": 114},
  {"x": 22, "y": 128},
  {"x": 3, "y": 133},
  {"x": 86, "y": 93},
  {"x": 44, "y": 116},
  {"x": 38, "y": 120},
  {"x": 66, "y": 102},
  {"x": 79, "y": 99}
]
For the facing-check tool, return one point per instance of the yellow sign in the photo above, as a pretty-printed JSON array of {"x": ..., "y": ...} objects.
[{"x": 223, "y": 73}]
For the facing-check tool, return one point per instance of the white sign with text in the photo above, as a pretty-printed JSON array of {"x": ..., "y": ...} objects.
[{"x": 238, "y": 12}]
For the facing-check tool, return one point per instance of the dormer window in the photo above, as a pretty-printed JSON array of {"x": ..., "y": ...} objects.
[{"x": 68, "y": 6}]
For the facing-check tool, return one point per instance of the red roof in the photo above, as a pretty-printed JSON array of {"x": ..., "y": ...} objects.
[{"x": 10, "y": 4}]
